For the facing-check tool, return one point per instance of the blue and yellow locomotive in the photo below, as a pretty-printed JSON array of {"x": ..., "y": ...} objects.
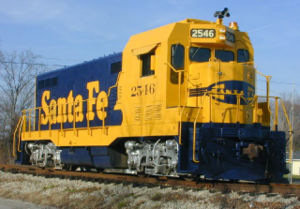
[{"x": 180, "y": 99}]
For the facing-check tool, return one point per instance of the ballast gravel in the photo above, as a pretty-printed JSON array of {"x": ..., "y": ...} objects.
[{"x": 73, "y": 194}]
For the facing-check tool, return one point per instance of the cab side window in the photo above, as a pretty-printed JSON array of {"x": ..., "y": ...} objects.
[
  {"x": 177, "y": 61},
  {"x": 115, "y": 67},
  {"x": 243, "y": 55},
  {"x": 47, "y": 83},
  {"x": 177, "y": 56},
  {"x": 146, "y": 64}
]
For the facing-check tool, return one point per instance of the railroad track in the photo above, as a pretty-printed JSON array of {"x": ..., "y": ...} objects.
[{"x": 284, "y": 189}]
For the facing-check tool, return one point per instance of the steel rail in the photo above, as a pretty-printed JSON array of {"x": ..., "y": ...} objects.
[{"x": 283, "y": 189}]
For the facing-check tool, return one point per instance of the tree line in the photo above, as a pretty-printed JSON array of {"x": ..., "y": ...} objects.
[{"x": 17, "y": 86}]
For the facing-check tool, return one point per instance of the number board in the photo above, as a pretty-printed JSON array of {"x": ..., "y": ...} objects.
[{"x": 203, "y": 33}]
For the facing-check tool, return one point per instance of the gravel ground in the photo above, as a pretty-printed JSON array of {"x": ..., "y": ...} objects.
[
  {"x": 18, "y": 204},
  {"x": 61, "y": 193}
]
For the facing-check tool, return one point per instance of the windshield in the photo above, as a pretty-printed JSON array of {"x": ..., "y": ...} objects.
[
  {"x": 200, "y": 54},
  {"x": 224, "y": 56}
]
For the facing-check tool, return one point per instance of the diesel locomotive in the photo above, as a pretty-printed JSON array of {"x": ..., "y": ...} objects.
[{"x": 179, "y": 100}]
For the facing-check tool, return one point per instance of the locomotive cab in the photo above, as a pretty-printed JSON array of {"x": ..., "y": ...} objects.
[{"x": 203, "y": 77}]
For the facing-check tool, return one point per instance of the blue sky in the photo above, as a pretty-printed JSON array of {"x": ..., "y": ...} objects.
[{"x": 68, "y": 32}]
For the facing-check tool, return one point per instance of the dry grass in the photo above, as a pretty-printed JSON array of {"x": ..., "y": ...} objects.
[
  {"x": 75, "y": 194},
  {"x": 175, "y": 197}
]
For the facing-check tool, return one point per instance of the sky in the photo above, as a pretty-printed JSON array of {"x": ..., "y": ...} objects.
[{"x": 67, "y": 32}]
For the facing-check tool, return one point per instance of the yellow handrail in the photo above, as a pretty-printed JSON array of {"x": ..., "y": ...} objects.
[
  {"x": 14, "y": 136},
  {"x": 39, "y": 121},
  {"x": 275, "y": 126},
  {"x": 180, "y": 127},
  {"x": 113, "y": 86},
  {"x": 268, "y": 79},
  {"x": 88, "y": 120},
  {"x": 103, "y": 121},
  {"x": 179, "y": 81},
  {"x": 255, "y": 120},
  {"x": 194, "y": 137},
  {"x": 61, "y": 119},
  {"x": 290, "y": 131},
  {"x": 28, "y": 113},
  {"x": 210, "y": 108},
  {"x": 238, "y": 108},
  {"x": 57, "y": 106},
  {"x": 74, "y": 120},
  {"x": 19, "y": 137},
  {"x": 29, "y": 123}
]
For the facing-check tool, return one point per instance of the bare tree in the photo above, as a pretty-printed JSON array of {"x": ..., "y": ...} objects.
[{"x": 17, "y": 87}]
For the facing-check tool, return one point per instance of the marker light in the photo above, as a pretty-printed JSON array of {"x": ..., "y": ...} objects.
[{"x": 233, "y": 25}]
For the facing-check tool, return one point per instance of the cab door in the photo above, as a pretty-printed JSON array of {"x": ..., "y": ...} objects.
[{"x": 175, "y": 94}]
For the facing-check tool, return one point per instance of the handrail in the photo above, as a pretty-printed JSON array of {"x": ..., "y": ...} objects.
[
  {"x": 61, "y": 119},
  {"x": 180, "y": 127},
  {"x": 268, "y": 79},
  {"x": 74, "y": 120},
  {"x": 207, "y": 93},
  {"x": 14, "y": 136},
  {"x": 179, "y": 81},
  {"x": 19, "y": 136},
  {"x": 88, "y": 119},
  {"x": 179, "y": 71},
  {"x": 113, "y": 86},
  {"x": 255, "y": 119},
  {"x": 210, "y": 108},
  {"x": 194, "y": 137},
  {"x": 62, "y": 115},
  {"x": 50, "y": 122},
  {"x": 238, "y": 109},
  {"x": 275, "y": 123},
  {"x": 108, "y": 94},
  {"x": 39, "y": 125},
  {"x": 290, "y": 132},
  {"x": 29, "y": 123},
  {"x": 253, "y": 103}
]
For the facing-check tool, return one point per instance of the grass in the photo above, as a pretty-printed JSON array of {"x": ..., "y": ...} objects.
[
  {"x": 51, "y": 186},
  {"x": 61, "y": 195},
  {"x": 286, "y": 176},
  {"x": 123, "y": 203},
  {"x": 84, "y": 190},
  {"x": 173, "y": 197},
  {"x": 70, "y": 190},
  {"x": 120, "y": 201},
  {"x": 156, "y": 197}
]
